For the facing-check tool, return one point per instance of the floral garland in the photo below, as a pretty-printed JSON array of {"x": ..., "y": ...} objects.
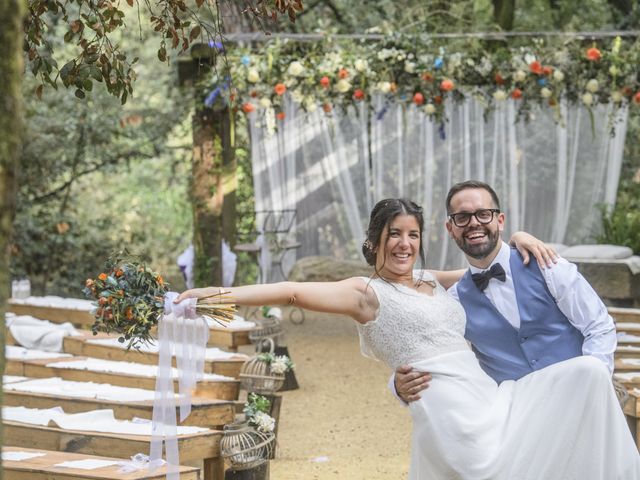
[{"x": 330, "y": 74}]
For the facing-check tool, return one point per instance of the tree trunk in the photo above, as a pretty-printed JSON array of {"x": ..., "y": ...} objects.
[
  {"x": 504, "y": 13},
  {"x": 11, "y": 68},
  {"x": 213, "y": 192}
]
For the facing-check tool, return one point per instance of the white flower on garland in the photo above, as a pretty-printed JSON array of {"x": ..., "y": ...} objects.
[
  {"x": 545, "y": 92},
  {"x": 361, "y": 65},
  {"x": 616, "y": 97},
  {"x": 558, "y": 76},
  {"x": 343, "y": 85},
  {"x": 253, "y": 76},
  {"x": 592, "y": 85},
  {"x": 264, "y": 422},
  {"x": 297, "y": 96},
  {"x": 296, "y": 69},
  {"x": 500, "y": 95},
  {"x": 384, "y": 87},
  {"x": 613, "y": 70},
  {"x": 587, "y": 99},
  {"x": 429, "y": 109},
  {"x": 485, "y": 66},
  {"x": 409, "y": 67},
  {"x": 265, "y": 102},
  {"x": 520, "y": 75}
]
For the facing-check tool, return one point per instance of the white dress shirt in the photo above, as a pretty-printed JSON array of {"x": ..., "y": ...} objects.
[{"x": 573, "y": 295}]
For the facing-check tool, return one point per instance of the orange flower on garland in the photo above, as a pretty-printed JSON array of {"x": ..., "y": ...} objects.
[
  {"x": 327, "y": 107},
  {"x": 280, "y": 88},
  {"x": 248, "y": 107},
  {"x": 547, "y": 70},
  {"x": 427, "y": 77},
  {"x": 418, "y": 98},
  {"x": 343, "y": 73},
  {"x": 593, "y": 54},
  {"x": 536, "y": 67},
  {"x": 446, "y": 85},
  {"x": 636, "y": 98},
  {"x": 393, "y": 87},
  {"x": 499, "y": 79},
  {"x": 358, "y": 94},
  {"x": 102, "y": 276},
  {"x": 325, "y": 82},
  {"x": 516, "y": 94},
  {"x": 280, "y": 115}
]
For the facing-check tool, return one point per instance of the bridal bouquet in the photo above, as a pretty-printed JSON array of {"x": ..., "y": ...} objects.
[{"x": 130, "y": 298}]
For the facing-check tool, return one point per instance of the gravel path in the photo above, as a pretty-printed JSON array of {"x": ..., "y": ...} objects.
[{"x": 343, "y": 423}]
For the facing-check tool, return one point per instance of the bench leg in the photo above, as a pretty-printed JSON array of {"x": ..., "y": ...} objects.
[{"x": 213, "y": 468}]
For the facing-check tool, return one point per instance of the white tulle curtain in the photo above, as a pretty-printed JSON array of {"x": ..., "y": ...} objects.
[{"x": 550, "y": 176}]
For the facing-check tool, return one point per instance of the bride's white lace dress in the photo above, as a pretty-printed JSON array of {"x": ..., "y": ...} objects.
[{"x": 559, "y": 423}]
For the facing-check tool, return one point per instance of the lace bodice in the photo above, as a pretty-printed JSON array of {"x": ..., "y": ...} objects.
[{"x": 411, "y": 326}]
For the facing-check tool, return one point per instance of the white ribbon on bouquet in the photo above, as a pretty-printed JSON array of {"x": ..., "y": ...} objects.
[{"x": 181, "y": 332}]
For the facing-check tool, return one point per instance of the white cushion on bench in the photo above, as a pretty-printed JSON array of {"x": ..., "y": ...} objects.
[{"x": 597, "y": 252}]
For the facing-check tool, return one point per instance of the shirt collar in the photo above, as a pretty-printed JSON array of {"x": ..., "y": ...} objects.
[{"x": 503, "y": 257}]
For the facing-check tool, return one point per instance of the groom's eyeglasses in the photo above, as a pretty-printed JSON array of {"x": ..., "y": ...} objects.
[{"x": 483, "y": 216}]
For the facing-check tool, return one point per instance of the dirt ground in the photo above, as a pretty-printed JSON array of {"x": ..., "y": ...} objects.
[{"x": 343, "y": 423}]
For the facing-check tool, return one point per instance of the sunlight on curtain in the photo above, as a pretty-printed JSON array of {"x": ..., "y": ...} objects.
[{"x": 550, "y": 176}]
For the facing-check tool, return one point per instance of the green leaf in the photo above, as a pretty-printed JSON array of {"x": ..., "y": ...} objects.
[
  {"x": 95, "y": 73},
  {"x": 79, "y": 93},
  {"x": 87, "y": 85}
]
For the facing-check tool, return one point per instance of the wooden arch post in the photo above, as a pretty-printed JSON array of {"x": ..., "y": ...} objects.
[{"x": 213, "y": 192}]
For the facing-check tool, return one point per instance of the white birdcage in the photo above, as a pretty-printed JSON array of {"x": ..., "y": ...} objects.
[
  {"x": 245, "y": 447},
  {"x": 257, "y": 376}
]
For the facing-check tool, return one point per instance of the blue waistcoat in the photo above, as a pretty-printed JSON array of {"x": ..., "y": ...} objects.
[{"x": 545, "y": 336}]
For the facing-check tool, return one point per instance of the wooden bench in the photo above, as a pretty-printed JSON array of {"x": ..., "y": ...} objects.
[
  {"x": 204, "y": 412},
  {"x": 625, "y": 314},
  {"x": 203, "y": 446},
  {"x": 217, "y": 390},
  {"x": 228, "y": 339},
  {"x": 80, "y": 347},
  {"x": 43, "y": 468},
  {"x": 78, "y": 318}
]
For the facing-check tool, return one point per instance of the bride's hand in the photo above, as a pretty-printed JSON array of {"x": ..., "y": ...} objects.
[
  {"x": 194, "y": 293},
  {"x": 545, "y": 255}
]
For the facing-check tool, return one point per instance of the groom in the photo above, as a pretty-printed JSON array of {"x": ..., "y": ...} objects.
[{"x": 519, "y": 318}]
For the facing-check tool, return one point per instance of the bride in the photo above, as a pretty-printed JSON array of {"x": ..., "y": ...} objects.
[{"x": 559, "y": 423}]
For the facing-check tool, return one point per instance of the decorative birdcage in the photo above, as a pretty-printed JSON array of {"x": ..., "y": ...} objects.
[
  {"x": 257, "y": 376},
  {"x": 245, "y": 447},
  {"x": 267, "y": 333}
]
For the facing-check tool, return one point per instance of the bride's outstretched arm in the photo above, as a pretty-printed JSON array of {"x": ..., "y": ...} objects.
[{"x": 348, "y": 297}]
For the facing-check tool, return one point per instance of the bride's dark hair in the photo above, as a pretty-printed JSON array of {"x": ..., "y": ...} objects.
[{"x": 381, "y": 216}]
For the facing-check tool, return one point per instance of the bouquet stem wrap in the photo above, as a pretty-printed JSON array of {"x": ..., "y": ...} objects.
[{"x": 183, "y": 334}]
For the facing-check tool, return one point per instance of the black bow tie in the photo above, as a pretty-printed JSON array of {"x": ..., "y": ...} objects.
[{"x": 482, "y": 279}]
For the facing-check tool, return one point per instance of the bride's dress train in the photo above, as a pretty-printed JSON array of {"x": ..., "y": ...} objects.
[{"x": 559, "y": 423}]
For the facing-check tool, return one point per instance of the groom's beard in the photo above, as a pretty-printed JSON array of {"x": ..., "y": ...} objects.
[{"x": 481, "y": 250}]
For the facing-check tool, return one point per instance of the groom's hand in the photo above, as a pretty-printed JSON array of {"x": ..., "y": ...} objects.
[{"x": 409, "y": 383}]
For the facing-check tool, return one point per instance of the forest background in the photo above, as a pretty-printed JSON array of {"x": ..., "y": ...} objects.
[{"x": 96, "y": 174}]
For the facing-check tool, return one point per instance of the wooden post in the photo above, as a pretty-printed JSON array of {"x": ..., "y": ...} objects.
[{"x": 213, "y": 192}]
